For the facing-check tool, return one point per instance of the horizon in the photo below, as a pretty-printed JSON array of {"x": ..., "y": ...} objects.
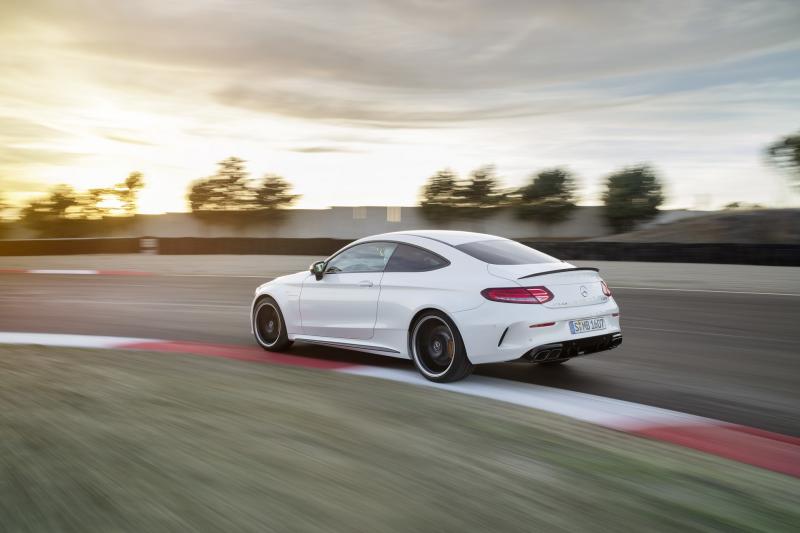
[{"x": 362, "y": 111}]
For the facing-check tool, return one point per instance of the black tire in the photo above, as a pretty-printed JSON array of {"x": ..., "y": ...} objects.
[
  {"x": 269, "y": 326},
  {"x": 437, "y": 348}
]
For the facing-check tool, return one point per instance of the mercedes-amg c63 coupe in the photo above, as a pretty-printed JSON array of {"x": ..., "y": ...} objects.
[{"x": 447, "y": 300}]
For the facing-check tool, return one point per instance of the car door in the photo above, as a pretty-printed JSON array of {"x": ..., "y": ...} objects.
[
  {"x": 413, "y": 276},
  {"x": 344, "y": 302}
]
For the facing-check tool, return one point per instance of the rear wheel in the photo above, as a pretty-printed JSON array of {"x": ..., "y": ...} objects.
[
  {"x": 269, "y": 326},
  {"x": 437, "y": 348}
]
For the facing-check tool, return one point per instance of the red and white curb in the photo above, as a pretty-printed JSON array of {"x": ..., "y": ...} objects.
[
  {"x": 74, "y": 272},
  {"x": 772, "y": 451}
]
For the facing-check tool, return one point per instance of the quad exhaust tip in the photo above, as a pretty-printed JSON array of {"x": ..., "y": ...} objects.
[
  {"x": 567, "y": 350},
  {"x": 548, "y": 353}
]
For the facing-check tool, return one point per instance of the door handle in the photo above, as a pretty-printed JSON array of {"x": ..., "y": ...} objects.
[{"x": 365, "y": 283}]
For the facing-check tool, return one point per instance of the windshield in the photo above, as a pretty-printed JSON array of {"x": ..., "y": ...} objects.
[{"x": 505, "y": 252}]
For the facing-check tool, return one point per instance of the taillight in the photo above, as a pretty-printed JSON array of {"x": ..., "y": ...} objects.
[
  {"x": 606, "y": 290},
  {"x": 518, "y": 295}
]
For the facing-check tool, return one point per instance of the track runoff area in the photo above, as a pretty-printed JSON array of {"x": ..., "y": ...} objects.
[{"x": 772, "y": 451}]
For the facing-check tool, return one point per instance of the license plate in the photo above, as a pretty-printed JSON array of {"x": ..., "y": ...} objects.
[{"x": 588, "y": 324}]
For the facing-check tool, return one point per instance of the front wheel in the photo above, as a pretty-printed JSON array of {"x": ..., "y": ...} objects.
[
  {"x": 269, "y": 326},
  {"x": 437, "y": 348}
]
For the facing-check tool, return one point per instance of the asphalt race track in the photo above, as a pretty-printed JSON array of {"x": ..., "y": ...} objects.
[{"x": 721, "y": 354}]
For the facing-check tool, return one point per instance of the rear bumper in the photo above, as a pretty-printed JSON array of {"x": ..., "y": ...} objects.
[
  {"x": 561, "y": 351},
  {"x": 495, "y": 332}
]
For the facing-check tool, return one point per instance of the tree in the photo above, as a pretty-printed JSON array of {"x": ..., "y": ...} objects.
[
  {"x": 479, "y": 193},
  {"x": 274, "y": 192},
  {"x": 128, "y": 191},
  {"x": 61, "y": 204},
  {"x": 91, "y": 204},
  {"x": 232, "y": 197},
  {"x": 632, "y": 196},
  {"x": 549, "y": 197},
  {"x": 438, "y": 196},
  {"x": 227, "y": 190},
  {"x": 785, "y": 153},
  {"x": 63, "y": 199}
]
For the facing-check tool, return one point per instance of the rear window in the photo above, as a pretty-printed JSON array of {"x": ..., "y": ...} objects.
[
  {"x": 412, "y": 259},
  {"x": 505, "y": 252}
]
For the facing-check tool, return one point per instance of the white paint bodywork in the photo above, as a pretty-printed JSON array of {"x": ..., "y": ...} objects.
[{"x": 373, "y": 312}]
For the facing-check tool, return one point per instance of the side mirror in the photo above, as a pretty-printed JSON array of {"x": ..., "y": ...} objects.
[{"x": 318, "y": 269}]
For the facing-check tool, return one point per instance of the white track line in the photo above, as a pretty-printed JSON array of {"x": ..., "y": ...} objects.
[
  {"x": 73, "y": 272},
  {"x": 79, "y": 272},
  {"x": 65, "y": 340},
  {"x": 608, "y": 412}
]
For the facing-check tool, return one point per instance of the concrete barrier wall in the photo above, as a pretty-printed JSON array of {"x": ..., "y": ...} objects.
[
  {"x": 585, "y": 222},
  {"x": 69, "y": 246},
  {"x": 744, "y": 254}
]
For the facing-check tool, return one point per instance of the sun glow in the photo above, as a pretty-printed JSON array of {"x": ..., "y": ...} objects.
[{"x": 113, "y": 206}]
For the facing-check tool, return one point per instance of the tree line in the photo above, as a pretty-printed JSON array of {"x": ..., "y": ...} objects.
[
  {"x": 632, "y": 196},
  {"x": 231, "y": 195},
  {"x": 228, "y": 196},
  {"x": 65, "y": 212}
]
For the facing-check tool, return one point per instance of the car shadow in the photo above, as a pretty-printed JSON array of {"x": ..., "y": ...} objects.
[{"x": 340, "y": 355}]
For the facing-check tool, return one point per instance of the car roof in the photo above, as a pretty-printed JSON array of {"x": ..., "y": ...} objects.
[{"x": 453, "y": 238}]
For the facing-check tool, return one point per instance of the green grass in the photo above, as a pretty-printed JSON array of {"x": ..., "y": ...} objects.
[{"x": 132, "y": 441}]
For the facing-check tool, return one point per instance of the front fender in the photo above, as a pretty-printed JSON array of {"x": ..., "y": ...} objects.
[{"x": 286, "y": 292}]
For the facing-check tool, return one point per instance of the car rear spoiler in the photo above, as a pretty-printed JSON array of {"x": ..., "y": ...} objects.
[{"x": 559, "y": 271}]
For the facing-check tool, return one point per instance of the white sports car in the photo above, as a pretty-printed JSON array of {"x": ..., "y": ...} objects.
[{"x": 447, "y": 300}]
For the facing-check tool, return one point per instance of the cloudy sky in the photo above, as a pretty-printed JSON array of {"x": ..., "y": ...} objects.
[{"x": 358, "y": 102}]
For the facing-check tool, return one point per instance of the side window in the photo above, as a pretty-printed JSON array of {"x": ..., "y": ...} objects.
[
  {"x": 412, "y": 259},
  {"x": 367, "y": 257}
]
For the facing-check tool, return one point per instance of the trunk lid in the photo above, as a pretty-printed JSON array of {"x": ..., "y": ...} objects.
[{"x": 570, "y": 287}]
